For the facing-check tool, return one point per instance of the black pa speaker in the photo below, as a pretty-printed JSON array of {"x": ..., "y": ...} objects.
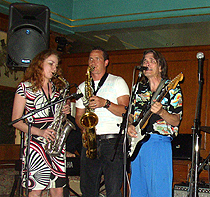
[
  {"x": 182, "y": 147},
  {"x": 28, "y": 33}
]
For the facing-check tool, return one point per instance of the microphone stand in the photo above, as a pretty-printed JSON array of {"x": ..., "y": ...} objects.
[
  {"x": 125, "y": 126},
  {"x": 31, "y": 113},
  {"x": 28, "y": 116},
  {"x": 122, "y": 127},
  {"x": 193, "y": 187},
  {"x": 27, "y": 154}
]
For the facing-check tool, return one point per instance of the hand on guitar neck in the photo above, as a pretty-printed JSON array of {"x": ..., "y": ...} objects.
[{"x": 135, "y": 134}]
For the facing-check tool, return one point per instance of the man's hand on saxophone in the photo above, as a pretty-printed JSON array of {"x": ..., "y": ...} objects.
[
  {"x": 117, "y": 109},
  {"x": 96, "y": 102}
]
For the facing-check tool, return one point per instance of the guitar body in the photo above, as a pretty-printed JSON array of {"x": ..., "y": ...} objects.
[{"x": 136, "y": 143}]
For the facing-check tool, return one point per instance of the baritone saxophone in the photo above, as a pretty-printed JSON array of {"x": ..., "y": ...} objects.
[{"x": 89, "y": 120}]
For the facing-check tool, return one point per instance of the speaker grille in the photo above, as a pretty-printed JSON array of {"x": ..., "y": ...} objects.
[
  {"x": 28, "y": 33},
  {"x": 30, "y": 43}
]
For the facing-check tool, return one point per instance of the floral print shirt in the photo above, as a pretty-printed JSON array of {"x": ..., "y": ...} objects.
[{"x": 172, "y": 103}]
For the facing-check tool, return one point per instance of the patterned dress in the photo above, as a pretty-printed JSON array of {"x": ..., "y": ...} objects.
[{"x": 45, "y": 171}]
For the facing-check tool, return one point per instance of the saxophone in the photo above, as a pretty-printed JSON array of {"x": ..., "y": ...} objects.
[
  {"x": 60, "y": 124},
  {"x": 89, "y": 120}
]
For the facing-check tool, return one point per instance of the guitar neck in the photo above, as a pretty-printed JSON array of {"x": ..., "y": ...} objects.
[
  {"x": 148, "y": 114},
  {"x": 143, "y": 118},
  {"x": 162, "y": 95}
]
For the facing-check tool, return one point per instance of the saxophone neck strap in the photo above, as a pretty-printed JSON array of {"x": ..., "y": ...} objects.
[
  {"x": 101, "y": 82},
  {"x": 48, "y": 98},
  {"x": 51, "y": 110}
]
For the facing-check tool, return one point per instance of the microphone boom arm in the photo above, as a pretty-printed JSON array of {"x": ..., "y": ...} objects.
[{"x": 31, "y": 113}]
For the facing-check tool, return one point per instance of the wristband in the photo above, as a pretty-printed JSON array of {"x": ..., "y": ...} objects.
[{"x": 107, "y": 104}]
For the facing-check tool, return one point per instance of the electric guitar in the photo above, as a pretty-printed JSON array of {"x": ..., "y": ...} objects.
[{"x": 136, "y": 143}]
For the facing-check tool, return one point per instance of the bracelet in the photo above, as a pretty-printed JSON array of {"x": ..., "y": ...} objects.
[{"x": 107, "y": 104}]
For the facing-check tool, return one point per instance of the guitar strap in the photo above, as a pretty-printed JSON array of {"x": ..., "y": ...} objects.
[{"x": 158, "y": 90}]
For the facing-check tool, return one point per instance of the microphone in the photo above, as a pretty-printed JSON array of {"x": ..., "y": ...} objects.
[
  {"x": 141, "y": 68},
  {"x": 84, "y": 100},
  {"x": 77, "y": 96},
  {"x": 73, "y": 85},
  {"x": 200, "y": 57}
]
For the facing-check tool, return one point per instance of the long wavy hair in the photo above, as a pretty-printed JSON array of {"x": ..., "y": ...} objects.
[
  {"x": 34, "y": 73},
  {"x": 160, "y": 60}
]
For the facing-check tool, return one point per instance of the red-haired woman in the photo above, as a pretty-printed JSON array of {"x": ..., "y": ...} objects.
[{"x": 38, "y": 88}]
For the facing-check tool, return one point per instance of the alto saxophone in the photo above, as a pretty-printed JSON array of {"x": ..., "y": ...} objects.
[
  {"x": 89, "y": 120},
  {"x": 60, "y": 124}
]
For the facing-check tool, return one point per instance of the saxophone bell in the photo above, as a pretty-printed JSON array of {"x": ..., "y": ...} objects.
[{"x": 89, "y": 120}]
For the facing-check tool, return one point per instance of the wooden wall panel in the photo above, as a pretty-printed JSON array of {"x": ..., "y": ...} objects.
[
  {"x": 180, "y": 59},
  {"x": 120, "y": 68},
  {"x": 9, "y": 154},
  {"x": 181, "y": 169}
]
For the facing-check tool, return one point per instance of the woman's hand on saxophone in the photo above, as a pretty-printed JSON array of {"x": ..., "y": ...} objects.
[
  {"x": 48, "y": 134},
  {"x": 96, "y": 102},
  {"x": 66, "y": 109}
]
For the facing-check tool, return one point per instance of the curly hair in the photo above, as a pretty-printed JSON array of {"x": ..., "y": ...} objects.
[{"x": 34, "y": 73}]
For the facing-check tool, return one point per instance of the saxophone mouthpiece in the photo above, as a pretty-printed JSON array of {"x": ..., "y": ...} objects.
[
  {"x": 62, "y": 79},
  {"x": 92, "y": 68},
  {"x": 55, "y": 75}
]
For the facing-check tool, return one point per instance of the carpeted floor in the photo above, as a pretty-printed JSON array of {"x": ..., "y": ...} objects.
[
  {"x": 9, "y": 175},
  {"x": 7, "y": 186}
]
